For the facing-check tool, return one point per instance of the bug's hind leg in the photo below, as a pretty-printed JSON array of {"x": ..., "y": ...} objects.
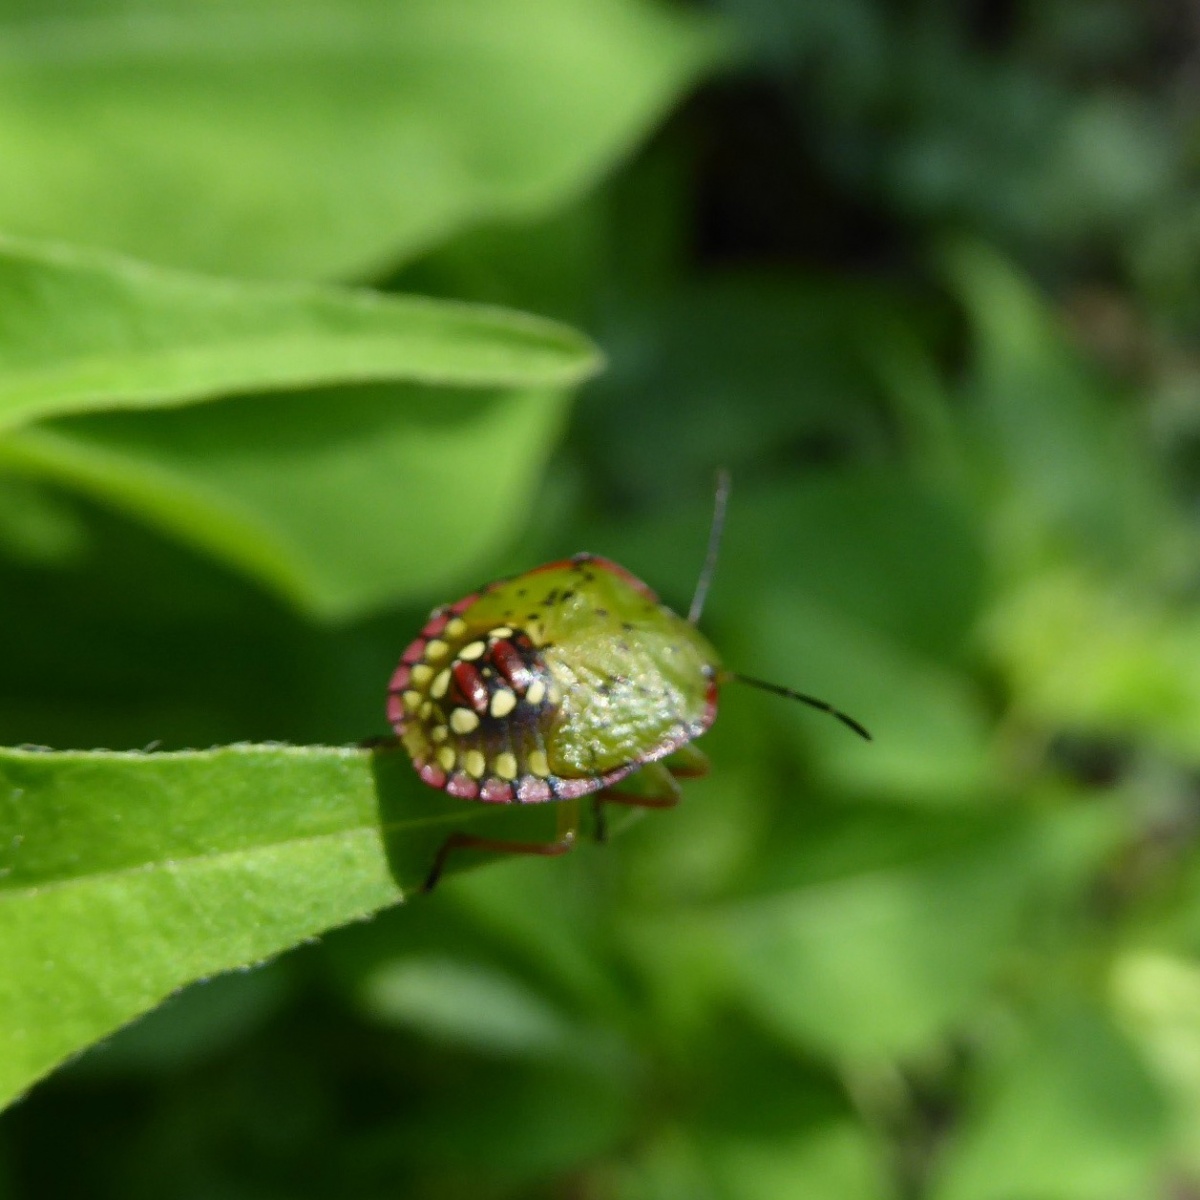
[
  {"x": 469, "y": 841},
  {"x": 568, "y": 827},
  {"x": 656, "y": 789}
]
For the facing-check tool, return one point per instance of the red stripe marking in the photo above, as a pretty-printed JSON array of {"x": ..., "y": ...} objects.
[
  {"x": 508, "y": 661},
  {"x": 395, "y": 712},
  {"x": 400, "y": 676},
  {"x": 471, "y": 686},
  {"x": 414, "y": 653},
  {"x": 462, "y": 605}
]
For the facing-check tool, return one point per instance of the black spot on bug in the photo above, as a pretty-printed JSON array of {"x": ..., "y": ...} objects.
[
  {"x": 601, "y": 612},
  {"x": 627, "y": 626},
  {"x": 624, "y": 646},
  {"x": 531, "y": 616}
]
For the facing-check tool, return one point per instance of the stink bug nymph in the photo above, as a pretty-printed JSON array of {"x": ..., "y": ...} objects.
[{"x": 561, "y": 683}]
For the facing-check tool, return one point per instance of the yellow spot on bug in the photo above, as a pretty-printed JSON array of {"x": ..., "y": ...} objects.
[
  {"x": 439, "y": 733},
  {"x": 426, "y": 710},
  {"x": 475, "y": 763},
  {"x": 463, "y": 720},
  {"x": 440, "y": 685},
  {"x": 501, "y": 631},
  {"x": 412, "y": 701},
  {"x": 506, "y": 765},
  {"x": 456, "y": 627},
  {"x": 447, "y": 758},
  {"x": 535, "y": 693},
  {"x": 421, "y": 674},
  {"x": 472, "y": 651},
  {"x": 503, "y": 702},
  {"x": 435, "y": 649},
  {"x": 538, "y": 764}
]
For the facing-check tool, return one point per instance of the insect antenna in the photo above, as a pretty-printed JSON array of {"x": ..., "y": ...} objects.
[
  {"x": 812, "y": 701},
  {"x": 720, "y": 504}
]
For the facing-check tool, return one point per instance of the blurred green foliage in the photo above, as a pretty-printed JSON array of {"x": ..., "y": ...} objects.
[{"x": 924, "y": 277}]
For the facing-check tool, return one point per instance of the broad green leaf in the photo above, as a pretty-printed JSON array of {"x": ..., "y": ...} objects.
[
  {"x": 125, "y": 876},
  {"x": 340, "y": 499},
  {"x": 82, "y": 331},
  {"x": 325, "y": 495},
  {"x": 322, "y": 138}
]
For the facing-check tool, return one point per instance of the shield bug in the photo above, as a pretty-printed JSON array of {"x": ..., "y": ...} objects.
[{"x": 561, "y": 683}]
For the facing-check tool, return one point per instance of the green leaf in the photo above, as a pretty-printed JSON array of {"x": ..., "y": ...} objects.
[
  {"x": 124, "y": 877},
  {"x": 82, "y": 331},
  {"x": 339, "y": 499},
  {"x": 327, "y": 137},
  {"x": 321, "y": 494}
]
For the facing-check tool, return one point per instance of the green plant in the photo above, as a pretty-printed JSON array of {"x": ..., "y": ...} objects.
[{"x": 918, "y": 274}]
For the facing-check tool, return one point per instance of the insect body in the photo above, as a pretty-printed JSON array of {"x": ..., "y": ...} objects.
[
  {"x": 558, "y": 684},
  {"x": 551, "y": 686}
]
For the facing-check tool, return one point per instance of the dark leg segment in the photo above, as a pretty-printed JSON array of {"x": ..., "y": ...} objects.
[{"x": 468, "y": 841}]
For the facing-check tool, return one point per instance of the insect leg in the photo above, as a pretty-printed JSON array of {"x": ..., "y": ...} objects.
[
  {"x": 660, "y": 791},
  {"x": 387, "y": 741},
  {"x": 469, "y": 841}
]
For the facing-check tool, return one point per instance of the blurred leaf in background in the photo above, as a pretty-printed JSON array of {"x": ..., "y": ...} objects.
[{"x": 922, "y": 275}]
